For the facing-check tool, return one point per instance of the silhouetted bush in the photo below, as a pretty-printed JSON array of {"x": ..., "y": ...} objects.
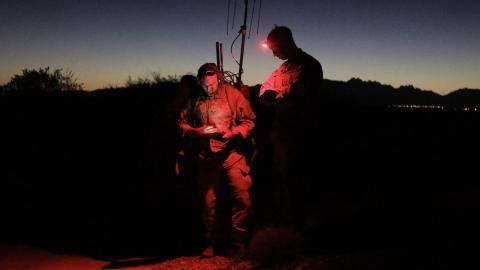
[
  {"x": 42, "y": 81},
  {"x": 156, "y": 79}
]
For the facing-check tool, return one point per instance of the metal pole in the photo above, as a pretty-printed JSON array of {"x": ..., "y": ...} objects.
[
  {"x": 217, "y": 50},
  {"x": 244, "y": 32},
  {"x": 221, "y": 56}
]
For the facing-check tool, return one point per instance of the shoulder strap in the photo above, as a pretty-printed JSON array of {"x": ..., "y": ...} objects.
[{"x": 232, "y": 109}]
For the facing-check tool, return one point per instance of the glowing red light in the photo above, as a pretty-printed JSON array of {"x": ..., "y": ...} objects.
[{"x": 265, "y": 45}]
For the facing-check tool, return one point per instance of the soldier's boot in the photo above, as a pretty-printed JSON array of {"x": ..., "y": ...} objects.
[
  {"x": 208, "y": 252},
  {"x": 239, "y": 249}
]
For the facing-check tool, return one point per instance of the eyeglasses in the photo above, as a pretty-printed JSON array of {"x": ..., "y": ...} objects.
[{"x": 210, "y": 73}]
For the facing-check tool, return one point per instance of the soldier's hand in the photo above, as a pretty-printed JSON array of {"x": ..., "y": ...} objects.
[
  {"x": 279, "y": 97},
  {"x": 209, "y": 131},
  {"x": 230, "y": 134},
  {"x": 269, "y": 97},
  {"x": 206, "y": 131}
]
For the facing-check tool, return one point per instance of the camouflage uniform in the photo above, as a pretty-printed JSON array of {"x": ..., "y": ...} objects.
[
  {"x": 295, "y": 132},
  {"x": 217, "y": 157}
]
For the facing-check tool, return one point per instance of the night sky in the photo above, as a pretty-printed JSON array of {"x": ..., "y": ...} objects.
[{"x": 431, "y": 44}]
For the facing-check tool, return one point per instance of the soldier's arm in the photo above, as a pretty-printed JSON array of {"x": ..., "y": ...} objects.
[
  {"x": 244, "y": 117},
  {"x": 187, "y": 130}
]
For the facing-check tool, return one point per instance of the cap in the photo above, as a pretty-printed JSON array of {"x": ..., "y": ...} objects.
[{"x": 208, "y": 67}]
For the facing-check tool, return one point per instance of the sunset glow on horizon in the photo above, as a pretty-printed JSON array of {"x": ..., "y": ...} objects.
[{"x": 432, "y": 45}]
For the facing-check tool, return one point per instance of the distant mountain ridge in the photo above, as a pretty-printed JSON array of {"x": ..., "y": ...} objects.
[
  {"x": 355, "y": 92},
  {"x": 371, "y": 93}
]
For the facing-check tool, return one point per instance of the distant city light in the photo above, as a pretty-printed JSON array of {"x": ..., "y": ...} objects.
[{"x": 438, "y": 107}]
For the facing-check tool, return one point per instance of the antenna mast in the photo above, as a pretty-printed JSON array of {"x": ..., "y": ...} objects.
[
  {"x": 232, "y": 78},
  {"x": 243, "y": 31}
]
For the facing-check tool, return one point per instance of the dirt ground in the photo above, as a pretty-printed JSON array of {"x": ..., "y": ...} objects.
[{"x": 19, "y": 257}]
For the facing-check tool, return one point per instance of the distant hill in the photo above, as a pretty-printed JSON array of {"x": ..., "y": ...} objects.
[
  {"x": 372, "y": 93},
  {"x": 463, "y": 97},
  {"x": 354, "y": 92}
]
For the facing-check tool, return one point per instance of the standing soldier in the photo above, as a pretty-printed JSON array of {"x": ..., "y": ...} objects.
[
  {"x": 217, "y": 121},
  {"x": 293, "y": 90}
]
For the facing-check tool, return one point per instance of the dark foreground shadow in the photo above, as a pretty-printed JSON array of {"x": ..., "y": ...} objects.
[{"x": 122, "y": 263}]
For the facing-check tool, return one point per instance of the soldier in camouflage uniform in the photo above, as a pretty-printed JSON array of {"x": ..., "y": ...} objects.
[
  {"x": 293, "y": 89},
  {"x": 218, "y": 120}
]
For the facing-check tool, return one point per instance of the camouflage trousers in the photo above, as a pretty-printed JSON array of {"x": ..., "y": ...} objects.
[{"x": 234, "y": 170}]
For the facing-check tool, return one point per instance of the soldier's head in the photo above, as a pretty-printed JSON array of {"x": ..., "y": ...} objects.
[
  {"x": 280, "y": 41},
  {"x": 188, "y": 86},
  {"x": 209, "y": 77}
]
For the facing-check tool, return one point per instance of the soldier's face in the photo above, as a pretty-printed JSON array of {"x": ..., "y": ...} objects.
[
  {"x": 278, "y": 50},
  {"x": 209, "y": 83}
]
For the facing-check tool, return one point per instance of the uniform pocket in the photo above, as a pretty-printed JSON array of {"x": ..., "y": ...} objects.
[{"x": 244, "y": 168}]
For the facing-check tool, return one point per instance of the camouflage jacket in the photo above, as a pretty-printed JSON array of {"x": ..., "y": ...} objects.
[{"x": 227, "y": 110}]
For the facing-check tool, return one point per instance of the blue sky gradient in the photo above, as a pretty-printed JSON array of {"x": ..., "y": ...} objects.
[{"x": 433, "y": 45}]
